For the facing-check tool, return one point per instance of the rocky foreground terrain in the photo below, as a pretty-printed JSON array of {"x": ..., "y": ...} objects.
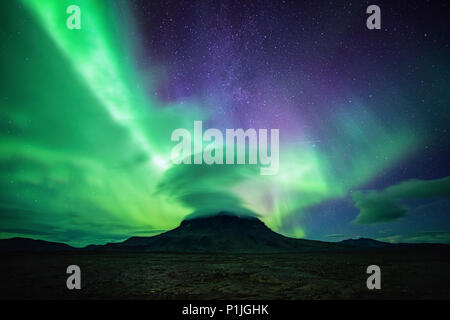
[
  {"x": 405, "y": 273},
  {"x": 223, "y": 257}
]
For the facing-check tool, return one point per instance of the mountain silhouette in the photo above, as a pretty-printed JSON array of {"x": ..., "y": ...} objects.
[
  {"x": 26, "y": 244},
  {"x": 366, "y": 243},
  {"x": 223, "y": 232}
]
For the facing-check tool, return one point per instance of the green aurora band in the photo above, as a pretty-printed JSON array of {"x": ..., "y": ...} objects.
[{"x": 85, "y": 152}]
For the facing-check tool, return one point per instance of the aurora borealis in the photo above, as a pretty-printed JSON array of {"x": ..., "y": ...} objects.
[{"x": 87, "y": 116}]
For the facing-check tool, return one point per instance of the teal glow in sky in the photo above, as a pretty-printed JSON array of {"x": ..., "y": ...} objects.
[{"x": 87, "y": 116}]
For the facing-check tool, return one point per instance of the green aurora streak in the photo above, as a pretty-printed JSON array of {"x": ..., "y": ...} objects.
[{"x": 85, "y": 152}]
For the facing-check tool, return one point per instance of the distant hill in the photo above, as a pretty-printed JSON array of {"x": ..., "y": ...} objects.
[
  {"x": 366, "y": 243},
  {"x": 220, "y": 233},
  {"x": 25, "y": 244}
]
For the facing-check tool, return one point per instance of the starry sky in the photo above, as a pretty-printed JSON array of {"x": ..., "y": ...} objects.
[{"x": 86, "y": 117}]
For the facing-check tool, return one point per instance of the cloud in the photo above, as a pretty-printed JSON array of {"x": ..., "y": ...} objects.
[
  {"x": 206, "y": 189},
  {"x": 386, "y": 205},
  {"x": 338, "y": 236},
  {"x": 374, "y": 208},
  {"x": 419, "y": 237}
]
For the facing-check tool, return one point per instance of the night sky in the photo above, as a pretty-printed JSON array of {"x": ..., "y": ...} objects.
[{"x": 86, "y": 117}]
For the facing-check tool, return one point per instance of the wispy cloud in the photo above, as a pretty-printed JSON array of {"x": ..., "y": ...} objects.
[
  {"x": 419, "y": 237},
  {"x": 386, "y": 205}
]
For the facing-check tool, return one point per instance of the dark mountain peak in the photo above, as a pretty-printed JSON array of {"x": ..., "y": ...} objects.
[
  {"x": 221, "y": 220},
  {"x": 365, "y": 243},
  {"x": 221, "y": 232}
]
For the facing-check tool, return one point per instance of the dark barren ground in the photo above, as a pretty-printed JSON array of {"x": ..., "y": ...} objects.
[{"x": 405, "y": 274}]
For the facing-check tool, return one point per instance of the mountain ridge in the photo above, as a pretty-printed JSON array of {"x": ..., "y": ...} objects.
[
  {"x": 221, "y": 233},
  {"x": 32, "y": 245}
]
